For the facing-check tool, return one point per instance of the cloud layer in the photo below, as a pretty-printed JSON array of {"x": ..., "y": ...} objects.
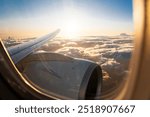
[{"x": 112, "y": 53}]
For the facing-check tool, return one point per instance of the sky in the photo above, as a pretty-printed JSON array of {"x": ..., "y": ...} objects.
[{"x": 30, "y": 18}]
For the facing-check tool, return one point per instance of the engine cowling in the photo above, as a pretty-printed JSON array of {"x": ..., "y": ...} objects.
[{"x": 63, "y": 76}]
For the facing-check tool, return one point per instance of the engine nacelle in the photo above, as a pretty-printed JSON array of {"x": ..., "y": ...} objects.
[{"x": 63, "y": 76}]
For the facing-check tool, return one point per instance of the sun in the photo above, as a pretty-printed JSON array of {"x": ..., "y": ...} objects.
[{"x": 71, "y": 29}]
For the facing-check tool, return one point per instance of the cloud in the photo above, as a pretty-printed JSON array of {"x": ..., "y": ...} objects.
[{"x": 112, "y": 53}]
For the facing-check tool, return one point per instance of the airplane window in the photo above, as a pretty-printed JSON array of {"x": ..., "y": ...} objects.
[{"x": 87, "y": 57}]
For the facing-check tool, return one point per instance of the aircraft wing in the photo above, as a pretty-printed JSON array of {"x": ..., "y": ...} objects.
[{"x": 20, "y": 51}]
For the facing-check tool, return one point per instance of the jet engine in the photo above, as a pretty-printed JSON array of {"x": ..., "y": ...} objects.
[{"x": 63, "y": 76}]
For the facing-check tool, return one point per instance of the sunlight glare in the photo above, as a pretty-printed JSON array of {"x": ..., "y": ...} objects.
[{"x": 71, "y": 28}]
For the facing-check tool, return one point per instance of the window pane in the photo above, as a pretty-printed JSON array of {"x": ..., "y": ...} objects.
[{"x": 93, "y": 34}]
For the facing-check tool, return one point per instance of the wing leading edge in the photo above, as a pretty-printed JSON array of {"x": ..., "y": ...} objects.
[{"x": 20, "y": 51}]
